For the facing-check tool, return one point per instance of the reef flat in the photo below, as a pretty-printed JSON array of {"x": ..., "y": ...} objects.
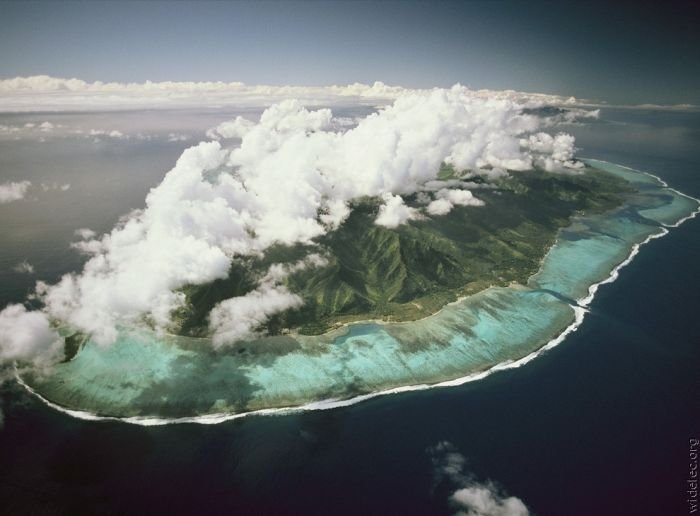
[{"x": 529, "y": 306}]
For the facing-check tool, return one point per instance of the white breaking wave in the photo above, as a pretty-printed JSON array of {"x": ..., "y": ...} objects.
[{"x": 665, "y": 185}]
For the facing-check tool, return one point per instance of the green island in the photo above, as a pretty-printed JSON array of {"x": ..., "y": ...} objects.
[
  {"x": 437, "y": 301},
  {"x": 412, "y": 271}
]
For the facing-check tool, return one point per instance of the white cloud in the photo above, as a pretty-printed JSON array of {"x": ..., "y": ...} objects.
[
  {"x": 85, "y": 233},
  {"x": 27, "y": 337},
  {"x": 235, "y": 128},
  {"x": 98, "y": 135},
  {"x": 571, "y": 116},
  {"x": 485, "y": 500},
  {"x": 290, "y": 180},
  {"x": 344, "y": 122},
  {"x": 53, "y": 93},
  {"x": 286, "y": 116},
  {"x": 13, "y": 191},
  {"x": 291, "y": 116},
  {"x": 447, "y": 198},
  {"x": 24, "y": 268},
  {"x": 555, "y": 153},
  {"x": 394, "y": 212},
  {"x": 470, "y": 498},
  {"x": 36, "y": 130},
  {"x": 493, "y": 173},
  {"x": 459, "y": 197},
  {"x": 239, "y": 317},
  {"x": 439, "y": 207},
  {"x": 182, "y": 237}
]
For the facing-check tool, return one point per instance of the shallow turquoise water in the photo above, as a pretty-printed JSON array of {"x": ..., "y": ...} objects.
[{"x": 148, "y": 375}]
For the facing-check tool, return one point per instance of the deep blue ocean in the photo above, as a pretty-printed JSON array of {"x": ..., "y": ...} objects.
[{"x": 599, "y": 425}]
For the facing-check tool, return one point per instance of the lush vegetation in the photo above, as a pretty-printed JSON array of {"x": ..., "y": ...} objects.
[{"x": 413, "y": 270}]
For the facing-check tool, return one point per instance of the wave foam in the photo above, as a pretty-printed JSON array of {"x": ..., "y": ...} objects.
[{"x": 326, "y": 404}]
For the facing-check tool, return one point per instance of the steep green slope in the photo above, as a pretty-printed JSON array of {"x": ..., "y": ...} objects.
[{"x": 413, "y": 270}]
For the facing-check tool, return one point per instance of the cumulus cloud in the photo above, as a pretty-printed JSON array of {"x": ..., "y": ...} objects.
[
  {"x": 459, "y": 197},
  {"x": 394, "y": 212},
  {"x": 289, "y": 180},
  {"x": 470, "y": 498},
  {"x": 439, "y": 207},
  {"x": 13, "y": 191},
  {"x": 285, "y": 116},
  {"x": 235, "y": 128},
  {"x": 341, "y": 122},
  {"x": 181, "y": 238},
  {"x": 26, "y": 337},
  {"x": 555, "y": 153},
  {"x": 239, "y": 317},
  {"x": 447, "y": 198}
]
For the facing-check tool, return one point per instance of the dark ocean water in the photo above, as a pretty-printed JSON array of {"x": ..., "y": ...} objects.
[{"x": 598, "y": 425}]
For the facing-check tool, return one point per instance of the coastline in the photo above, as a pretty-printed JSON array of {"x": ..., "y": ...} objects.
[{"x": 579, "y": 314}]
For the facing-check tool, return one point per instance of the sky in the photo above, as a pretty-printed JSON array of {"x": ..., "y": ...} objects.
[{"x": 628, "y": 53}]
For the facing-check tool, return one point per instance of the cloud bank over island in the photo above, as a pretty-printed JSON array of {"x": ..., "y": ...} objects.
[{"x": 284, "y": 179}]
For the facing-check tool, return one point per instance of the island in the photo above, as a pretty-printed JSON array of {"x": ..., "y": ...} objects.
[{"x": 438, "y": 301}]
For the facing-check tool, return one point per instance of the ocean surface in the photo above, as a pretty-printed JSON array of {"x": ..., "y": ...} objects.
[{"x": 597, "y": 425}]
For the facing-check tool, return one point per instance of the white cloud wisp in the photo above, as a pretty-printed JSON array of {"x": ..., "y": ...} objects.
[
  {"x": 13, "y": 191},
  {"x": 469, "y": 497}
]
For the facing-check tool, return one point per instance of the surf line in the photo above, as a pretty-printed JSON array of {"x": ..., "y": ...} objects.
[{"x": 327, "y": 404}]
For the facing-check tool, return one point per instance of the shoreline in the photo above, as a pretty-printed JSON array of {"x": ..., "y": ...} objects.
[
  {"x": 327, "y": 404},
  {"x": 580, "y": 309}
]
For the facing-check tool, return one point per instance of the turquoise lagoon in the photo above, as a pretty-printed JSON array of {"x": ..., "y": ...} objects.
[{"x": 149, "y": 379}]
